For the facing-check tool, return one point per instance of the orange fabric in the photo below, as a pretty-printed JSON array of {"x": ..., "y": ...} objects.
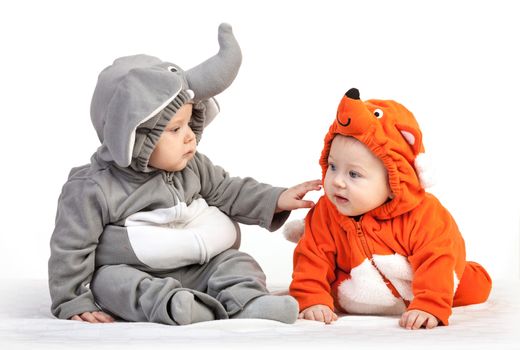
[
  {"x": 474, "y": 287},
  {"x": 413, "y": 224}
]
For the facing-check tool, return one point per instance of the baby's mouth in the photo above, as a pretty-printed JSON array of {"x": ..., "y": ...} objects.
[
  {"x": 341, "y": 199},
  {"x": 189, "y": 154}
]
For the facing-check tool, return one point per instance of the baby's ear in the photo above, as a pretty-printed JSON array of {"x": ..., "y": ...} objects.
[
  {"x": 293, "y": 230},
  {"x": 412, "y": 136}
]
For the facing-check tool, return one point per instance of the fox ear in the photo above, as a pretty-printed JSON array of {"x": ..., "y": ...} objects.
[{"x": 412, "y": 136}]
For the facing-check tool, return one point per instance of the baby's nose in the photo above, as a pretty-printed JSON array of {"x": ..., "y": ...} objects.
[
  {"x": 339, "y": 181},
  {"x": 190, "y": 136}
]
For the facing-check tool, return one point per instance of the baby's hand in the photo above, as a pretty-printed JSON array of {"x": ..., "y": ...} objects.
[
  {"x": 93, "y": 317},
  {"x": 320, "y": 313},
  {"x": 415, "y": 319},
  {"x": 292, "y": 198}
]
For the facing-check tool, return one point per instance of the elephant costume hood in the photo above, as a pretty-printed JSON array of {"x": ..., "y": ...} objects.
[{"x": 136, "y": 97}]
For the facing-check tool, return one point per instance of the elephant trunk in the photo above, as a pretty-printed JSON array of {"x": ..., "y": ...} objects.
[{"x": 214, "y": 75}]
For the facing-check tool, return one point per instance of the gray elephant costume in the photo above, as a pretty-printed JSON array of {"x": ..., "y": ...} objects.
[{"x": 148, "y": 245}]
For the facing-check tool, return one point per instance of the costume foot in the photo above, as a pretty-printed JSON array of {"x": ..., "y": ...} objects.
[
  {"x": 185, "y": 309},
  {"x": 271, "y": 307}
]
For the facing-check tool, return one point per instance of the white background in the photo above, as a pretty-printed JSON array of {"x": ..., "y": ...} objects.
[{"x": 454, "y": 64}]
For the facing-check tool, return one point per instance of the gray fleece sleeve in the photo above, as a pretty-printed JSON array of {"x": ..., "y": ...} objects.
[
  {"x": 80, "y": 218},
  {"x": 243, "y": 199}
]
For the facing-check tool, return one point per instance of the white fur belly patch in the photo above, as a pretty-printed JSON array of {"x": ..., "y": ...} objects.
[
  {"x": 182, "y": 235},
  {"x": 366, "y": 292}
]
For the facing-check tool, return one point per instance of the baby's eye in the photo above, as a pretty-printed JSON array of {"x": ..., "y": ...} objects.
[
  {"x": 175, "y": 130},
  {"x": 378, "y": 113},
  {"x": 332, "y": 167},
  {"x": 353, "y": 174}
]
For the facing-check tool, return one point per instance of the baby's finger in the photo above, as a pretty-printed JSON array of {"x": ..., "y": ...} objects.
[
  {"x": 328, "y": 316},
  {"x": 432, "y": 323},
  {"x": 313, "y": 184},
  {"x": 103, "y": 317},
  {"x": 304, "y": 204},
  {"x": 410, "y": 320},
  {"x": 305, "y": 187},
  {"x": 318, "y": 316},
  {"x": 87, "y": 316},
  {"x": 309, "y": 315},
  {"x": 402, "y": 320},
  {"x": 419, "y": 321}
]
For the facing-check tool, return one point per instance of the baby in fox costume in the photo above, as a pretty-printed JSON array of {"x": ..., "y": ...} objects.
[{"x": 376, "y": 242}]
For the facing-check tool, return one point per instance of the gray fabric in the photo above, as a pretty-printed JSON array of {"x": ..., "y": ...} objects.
[
  {"x": 186, "y": 308},
  {"x": 224, "y": 285},
  {"x": 128, "y": 93},
  {"x": 281, "y": 308},
  {"x": 97, "y": 199},
  {"x": 134, "y": 89},
  {"x": 203, "y": 78},
  {"x": 233, "y": 278},
  {"x": 148, "y": 133},
  {"x": 90, "y": 230}
]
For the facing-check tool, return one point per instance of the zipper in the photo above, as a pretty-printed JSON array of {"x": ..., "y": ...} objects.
[
  {"x": 168, "y": 177},
  {"x": 368, "y": 254}
]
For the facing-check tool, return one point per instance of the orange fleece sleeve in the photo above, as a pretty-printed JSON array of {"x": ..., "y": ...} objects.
[
  {"x": 314, "y": 261},
  {"x": 437, "y": 251}
]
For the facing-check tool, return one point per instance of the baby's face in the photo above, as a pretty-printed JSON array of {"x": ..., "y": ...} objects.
[
  {"x": 356, "y": 180},
  {"x": 177, "y": 144}
]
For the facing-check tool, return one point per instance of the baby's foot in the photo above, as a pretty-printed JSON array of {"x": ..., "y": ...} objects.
[
  {"x": 185, "y": 309},
  {"x": 271, "y": 307}
]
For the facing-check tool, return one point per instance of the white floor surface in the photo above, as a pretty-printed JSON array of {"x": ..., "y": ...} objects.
[{"x": 26, "y": 322}]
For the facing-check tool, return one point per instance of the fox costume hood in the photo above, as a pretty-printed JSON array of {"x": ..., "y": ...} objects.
[
  {"x": 119, "y": 210},
  {"x": 391, "y": 132},
  {"x": 405, "y": 254}
]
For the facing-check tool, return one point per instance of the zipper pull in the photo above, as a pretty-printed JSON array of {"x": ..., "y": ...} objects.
[
  {"x": 359, "y": 231},
  {"x": 169, "y": 178}
]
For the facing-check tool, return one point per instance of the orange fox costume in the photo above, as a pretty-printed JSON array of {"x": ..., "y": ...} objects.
[{"x": 405, "y": 254}]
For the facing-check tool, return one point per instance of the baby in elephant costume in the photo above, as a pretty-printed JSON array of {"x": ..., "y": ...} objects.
[{"x": 147, "y": 231}]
